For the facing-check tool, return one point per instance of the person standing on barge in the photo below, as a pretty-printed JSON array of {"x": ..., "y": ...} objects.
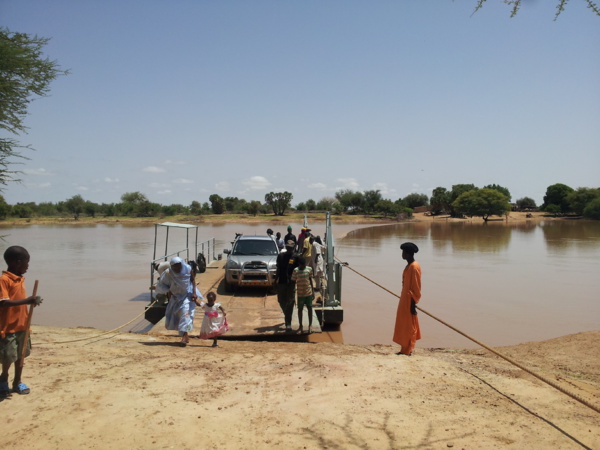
[
  {"x": 407, "y": 330},
  {"x": 180, "y": 280}
]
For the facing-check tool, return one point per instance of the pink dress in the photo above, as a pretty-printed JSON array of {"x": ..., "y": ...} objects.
[{"x": 214, "y": 323}]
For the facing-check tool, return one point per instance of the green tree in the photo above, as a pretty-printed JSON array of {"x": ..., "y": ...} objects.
[
  {"x": 24, "y": 74},
  {"x": 500, "y": 189},
  {"x": 515, "y": 5},
  {"x": 415, "y": 200},
  {"x": 279, "y": 201},
  {"x": 592, "y": 209},
  {"x": 386, "y": 207},
  {"x": 75, "y": 205},
  {"x": 90, "y": 208},
  {"x": 482, "y": 202},
  {"x": 217, "y": 204},
  {"x": 22, "y": 210},
  {"x": 195, "y": 208},
  {"x": 326, "y": 204},
  {"x": 47, "y": 209},
  {"x": 136, "y": 198},
  {"x": 580, "y": 198},
  {"x": 254, "y": 207},
  {"x": 526, "y": 203},
  {"x": 107, "y": 209},
  {"x": 556, "y": 194},
  {"x": 311, "y": 205},
  {"x": 5, "y": 208},
  {"x": 344, "y": 198},
  {"x": 457, "y": 191},
  {"x": 440, "y": 200},
  {"x": 370, "y": 199}
]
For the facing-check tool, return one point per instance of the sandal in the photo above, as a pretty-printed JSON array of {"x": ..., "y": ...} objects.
[{"x": 21, "y": 389}]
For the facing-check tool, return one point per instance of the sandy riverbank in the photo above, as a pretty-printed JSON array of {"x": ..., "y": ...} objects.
[
  {"x": 266, "y": 219},
  {"x": 142, "y": 392}
]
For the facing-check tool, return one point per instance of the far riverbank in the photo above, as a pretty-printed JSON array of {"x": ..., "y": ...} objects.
[{"x": 312, "y": 217}]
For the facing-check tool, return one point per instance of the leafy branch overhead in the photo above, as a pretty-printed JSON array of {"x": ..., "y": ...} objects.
[
  {"x": 24, "y": 74},
  {"x": 560, "y": 7}
]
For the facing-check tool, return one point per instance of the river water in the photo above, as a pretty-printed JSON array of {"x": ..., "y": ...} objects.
[{"x": 500, "y": 283}]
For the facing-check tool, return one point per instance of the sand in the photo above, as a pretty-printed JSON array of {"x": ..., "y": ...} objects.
[{"x": 142, "y": 392}]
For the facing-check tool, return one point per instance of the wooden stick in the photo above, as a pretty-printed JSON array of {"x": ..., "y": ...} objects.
[{"x": 21, "y": 361}]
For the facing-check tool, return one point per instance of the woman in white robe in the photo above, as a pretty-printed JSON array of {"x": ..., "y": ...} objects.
[{"x": 179, "y": 279}]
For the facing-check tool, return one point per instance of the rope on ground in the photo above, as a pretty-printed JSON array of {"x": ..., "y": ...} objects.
[
  {"x": 101, "y": 334},
  {"x": 506, "y": 358}
]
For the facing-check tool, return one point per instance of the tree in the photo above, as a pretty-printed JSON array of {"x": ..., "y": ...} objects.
[
  {"x": 440, "y": 200},
  {"x": 254, "y": 207},
  {"x": 279, "y": 201},
  {"x": 592, "y": 209},
  {"x": 326, "y": 204},
  {"x": 217, "y": 204},
  {"x": 386, "y": 207},
  {"x": 580, "y": 198},
  {"x": 370, "y": 199},
  {"x": 556, "y": 194},
  {"x": 5, "y": 208},
  {"x": 500, "y": 189},
  {"x": 526, "y": 203},
  {"x": 24, "y": 73},
  {"x": 90, "y": 208},
  {"x": 482, "y": 202},
  {"x": 516, "y": 5},
  {"x": 75, "y": 205},
  {"x": 415, "y": 200},
  {"x": 195, "y": 208},
  {"x": 457, "y": 191},
  {"x": 310, "y": 205}
]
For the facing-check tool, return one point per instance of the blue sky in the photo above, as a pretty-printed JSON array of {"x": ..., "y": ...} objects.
[{"x": 183, "y": 99}]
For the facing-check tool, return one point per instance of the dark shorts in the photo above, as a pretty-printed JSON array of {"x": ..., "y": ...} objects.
[
  {"x": 305, "y": 301},
  {"x": 12, "y": 346}
]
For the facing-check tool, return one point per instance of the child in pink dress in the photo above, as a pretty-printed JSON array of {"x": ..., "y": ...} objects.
[{"x": 214, "y": 322}]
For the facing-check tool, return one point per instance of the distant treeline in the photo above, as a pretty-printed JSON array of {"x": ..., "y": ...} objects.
[{"x": 463, "y": 200}]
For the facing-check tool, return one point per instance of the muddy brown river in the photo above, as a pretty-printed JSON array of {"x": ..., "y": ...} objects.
[{"x": 501, "y": 283}]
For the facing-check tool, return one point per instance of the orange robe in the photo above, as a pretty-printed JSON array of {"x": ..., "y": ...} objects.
[{"x": 407, "y": 330}]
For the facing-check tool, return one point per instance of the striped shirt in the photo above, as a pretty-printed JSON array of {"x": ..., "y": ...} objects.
[{"x": 302, "y": 279}]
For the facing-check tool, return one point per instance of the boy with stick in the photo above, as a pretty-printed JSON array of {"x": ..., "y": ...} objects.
[{"x": 14, "y": 320}]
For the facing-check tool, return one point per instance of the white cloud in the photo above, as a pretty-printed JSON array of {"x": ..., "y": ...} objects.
[
  {"x": 164, "y": 192},
  {"x": 157, "y": 185},
  {"x": 82, "y": 188},
  {"x": 318, "y": 186},
  {"x": 385, "y": 190},
  {"x": 111, "y": 180},
  {"x": 153, "y": 169},
  {"x": 37, "y": 172},
  {"x": 256, "y": 183},
  {"x": 175, "y": 163},
  {"x": 348, "y": 183},
  {"x": 183, "y": 181}
]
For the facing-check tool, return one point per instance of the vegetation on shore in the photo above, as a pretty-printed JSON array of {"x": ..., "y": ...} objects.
[{"x": 463, "y": 200}]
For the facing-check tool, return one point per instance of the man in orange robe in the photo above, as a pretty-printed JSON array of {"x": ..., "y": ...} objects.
[{"x": 407, "y": 330}]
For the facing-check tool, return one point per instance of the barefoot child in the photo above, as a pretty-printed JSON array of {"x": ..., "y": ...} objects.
[
  {"x": 213, "y": 323},
  {"x": 13, "y": 317},
  {"x": 303, "y": 276}
]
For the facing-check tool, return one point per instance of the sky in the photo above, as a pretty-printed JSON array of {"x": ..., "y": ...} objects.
[{"x": 183, "y": 99}]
